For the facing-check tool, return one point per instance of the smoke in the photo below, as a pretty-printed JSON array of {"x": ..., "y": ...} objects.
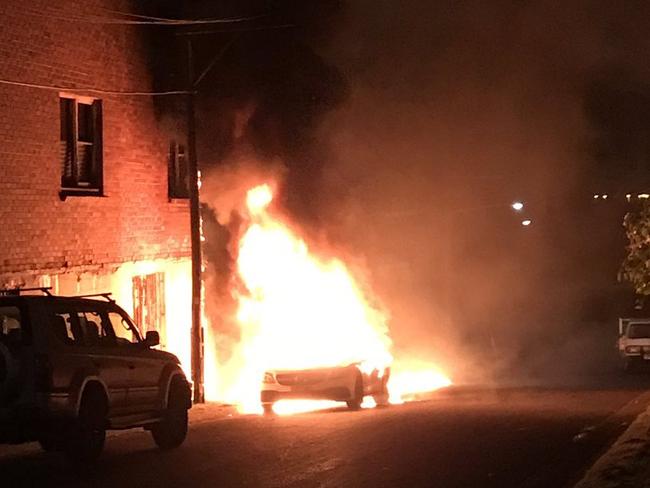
[{"x": 405, "y": 130}]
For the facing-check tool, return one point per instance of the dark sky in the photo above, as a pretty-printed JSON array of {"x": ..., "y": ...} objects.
[{"x": 408, "y": 127}]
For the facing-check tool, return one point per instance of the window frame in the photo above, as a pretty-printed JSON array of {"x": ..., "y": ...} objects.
[
  {"x": 69, "y": 136},
  {"x": 176, "y": 189}
]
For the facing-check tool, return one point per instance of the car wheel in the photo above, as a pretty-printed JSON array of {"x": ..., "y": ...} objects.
[
  {"x": 86, "y": 440},
  {"x": 48, "y": 444},
  {"x": 354, "y": 403},
  {"x": 268, "y": 408},
  {"x": 382, "y": 398},
  {"x": 629, "y": 365},
  {"x": 171, "y": 431}
]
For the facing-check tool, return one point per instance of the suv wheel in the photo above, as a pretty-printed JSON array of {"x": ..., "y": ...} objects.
[
  {"x": 171, "y": 431},
  {"x": 86, "y": 441}
]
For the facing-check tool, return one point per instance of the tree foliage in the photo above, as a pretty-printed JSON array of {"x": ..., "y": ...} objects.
[{"x": 636, "y": 265}]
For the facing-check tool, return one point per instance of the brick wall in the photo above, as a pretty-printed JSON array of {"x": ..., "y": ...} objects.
[{"x": 134, "y": 219}]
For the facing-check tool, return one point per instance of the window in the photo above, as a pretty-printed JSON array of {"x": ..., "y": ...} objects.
[
  {"x": 178, "y": 179},
  {"x": 10, "y": 326},
  {"x": 149, "y": 303},
  {"x": 65, "y": 328},
  {"x": 81, "y": 146},
  {"x": 122, "y": 329},
  {"x": 94, "y": 330}
]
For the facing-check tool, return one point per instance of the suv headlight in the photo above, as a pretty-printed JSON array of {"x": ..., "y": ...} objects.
[
  {"x": 268, "y": 378},
  {"x": 633, "y": 349}
]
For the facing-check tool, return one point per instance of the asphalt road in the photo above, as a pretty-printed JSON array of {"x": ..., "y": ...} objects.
[{"x": 459, "y": 438}]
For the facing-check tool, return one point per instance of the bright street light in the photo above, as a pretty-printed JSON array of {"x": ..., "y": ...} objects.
[
  {"x": 526, "y": 222},
  {"x": 518, "y": 206}
]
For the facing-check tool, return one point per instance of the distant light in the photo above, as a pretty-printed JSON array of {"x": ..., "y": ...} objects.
[
  {"x": 643, "y": 195},
  {"x": 517, "y": 206},
  {"x": 526, "y": 222},
  {"x": 605, "y": 196},
  {"x": 596, "y": 196},
  {"x": 628, "y": 196}
]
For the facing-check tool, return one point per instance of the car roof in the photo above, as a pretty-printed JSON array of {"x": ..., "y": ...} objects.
[{"x": 53, "y": 299}]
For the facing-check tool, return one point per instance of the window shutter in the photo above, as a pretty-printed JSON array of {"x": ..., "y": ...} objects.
[{"x": 98, "y": 147}]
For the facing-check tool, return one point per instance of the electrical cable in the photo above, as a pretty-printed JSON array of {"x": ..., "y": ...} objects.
[
  {"x": 92, "y": 90},
  {"x": 60, "y": 15}
]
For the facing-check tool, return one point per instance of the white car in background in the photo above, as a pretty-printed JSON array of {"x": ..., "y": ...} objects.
[
  {"x": 634, "y": 342},
  {"x": 349, "y": 384}
]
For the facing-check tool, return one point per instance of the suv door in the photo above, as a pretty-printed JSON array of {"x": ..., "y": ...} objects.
[
  {"x": 147, "y": 366},
  {"x": 109, "y": 360}
]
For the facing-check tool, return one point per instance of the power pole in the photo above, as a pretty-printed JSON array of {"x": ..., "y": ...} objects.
[{"x": 195, "y": 235}]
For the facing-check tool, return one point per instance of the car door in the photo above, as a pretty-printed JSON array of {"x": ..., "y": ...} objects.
[
  {"x": 110, "y": 362},
  {"x": 144, "y": 386}
]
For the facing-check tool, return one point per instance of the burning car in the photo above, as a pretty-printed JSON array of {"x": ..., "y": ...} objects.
[{"x": 349, "y": 384}]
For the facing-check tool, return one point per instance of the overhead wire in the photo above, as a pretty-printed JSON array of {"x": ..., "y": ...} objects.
[
  {"x": 97, "y": 91},
  {"x": 58, "y": 14}
]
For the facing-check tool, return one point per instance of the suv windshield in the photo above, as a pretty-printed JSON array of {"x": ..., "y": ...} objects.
[{"x": 639, "y": 331}]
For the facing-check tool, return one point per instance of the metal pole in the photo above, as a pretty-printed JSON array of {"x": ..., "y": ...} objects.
[{"x": 195, "y": 236}]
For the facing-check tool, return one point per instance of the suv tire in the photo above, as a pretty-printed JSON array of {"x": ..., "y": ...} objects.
[
  {"x": 171, "y": 431},
  {"x": 86, "y": 441}
]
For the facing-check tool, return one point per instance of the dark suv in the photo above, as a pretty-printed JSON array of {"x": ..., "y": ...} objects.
[{"x": 73, "y": 367}]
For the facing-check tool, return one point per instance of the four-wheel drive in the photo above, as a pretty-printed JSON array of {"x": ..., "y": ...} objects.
[
  {"x": 73, "y": 367},
  {"x": 634, "y": 341}
]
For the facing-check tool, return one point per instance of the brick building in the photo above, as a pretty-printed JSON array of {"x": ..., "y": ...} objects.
[{"x": 89, "y": 178}]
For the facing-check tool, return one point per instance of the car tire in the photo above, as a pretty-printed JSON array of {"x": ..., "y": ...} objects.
[
  {"x": 48, "y": 444},
  {"x": 629, "y": 365},
  {"x": 382, "y": 399},
  {"x": 85, "y": 442},
  {"x": 268, "y": 408},
  {"x": 171, "y": 431},
  {"x": 354, "y": 403}
]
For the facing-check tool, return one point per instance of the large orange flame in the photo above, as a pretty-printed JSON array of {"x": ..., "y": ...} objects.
[{"x": 298, "y": 310}]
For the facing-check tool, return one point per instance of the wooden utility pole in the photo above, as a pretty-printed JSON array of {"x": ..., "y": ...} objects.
[{"x": 195, "y": 235}]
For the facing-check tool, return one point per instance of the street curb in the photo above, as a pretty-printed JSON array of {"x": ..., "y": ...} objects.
[{"x": 626, "y": 462}]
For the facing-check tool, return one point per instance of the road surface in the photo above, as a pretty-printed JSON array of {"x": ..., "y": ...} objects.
[{"x": 458, "y": 438}]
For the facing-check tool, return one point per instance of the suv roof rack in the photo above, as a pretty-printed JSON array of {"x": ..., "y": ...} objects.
[
  {"x": 107, "y": 296},
  {"x": 17, "y": 291}
]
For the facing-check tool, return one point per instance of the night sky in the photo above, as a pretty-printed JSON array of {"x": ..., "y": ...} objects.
[{"x": 407, "y": 128}]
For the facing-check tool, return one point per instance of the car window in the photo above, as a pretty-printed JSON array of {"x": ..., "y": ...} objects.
[
  {"x": 639, "y": 331},
  {"x": 66, "y": 328},
  {"x": 10, "y": 326},
  {"x": 124, "y": 332},
  {"x": 94, "y": 329}
]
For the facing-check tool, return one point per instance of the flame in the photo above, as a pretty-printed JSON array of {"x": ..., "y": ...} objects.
[{"x": 298, "y": 310}]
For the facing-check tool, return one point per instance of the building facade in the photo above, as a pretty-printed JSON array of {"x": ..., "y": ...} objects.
[{"x": 91, "y": 183}]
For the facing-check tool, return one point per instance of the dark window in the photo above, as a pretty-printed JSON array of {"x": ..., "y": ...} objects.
[
  {"x": 95, "y": 331},
  {"x": 81, "y": 147},
  {"x": 66, "y": 328},
  {"x": 10, "y": 326},
  {"x": 179, "y": 185},
  {"x": 639, "y": 331}
]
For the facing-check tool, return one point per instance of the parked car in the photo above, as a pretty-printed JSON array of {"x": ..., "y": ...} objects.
[
  {"x": 73, "y": 367},
  {"x": 347, "y": 384},
  {"x": 634, "y": 342}
]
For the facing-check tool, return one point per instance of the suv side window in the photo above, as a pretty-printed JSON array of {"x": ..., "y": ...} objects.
[
  {"x": 94, "y": 329},
  {"x": 123, "y": 329},
  {"x": 10, "y": 326},
  {"x": 66, "y": 328}
]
